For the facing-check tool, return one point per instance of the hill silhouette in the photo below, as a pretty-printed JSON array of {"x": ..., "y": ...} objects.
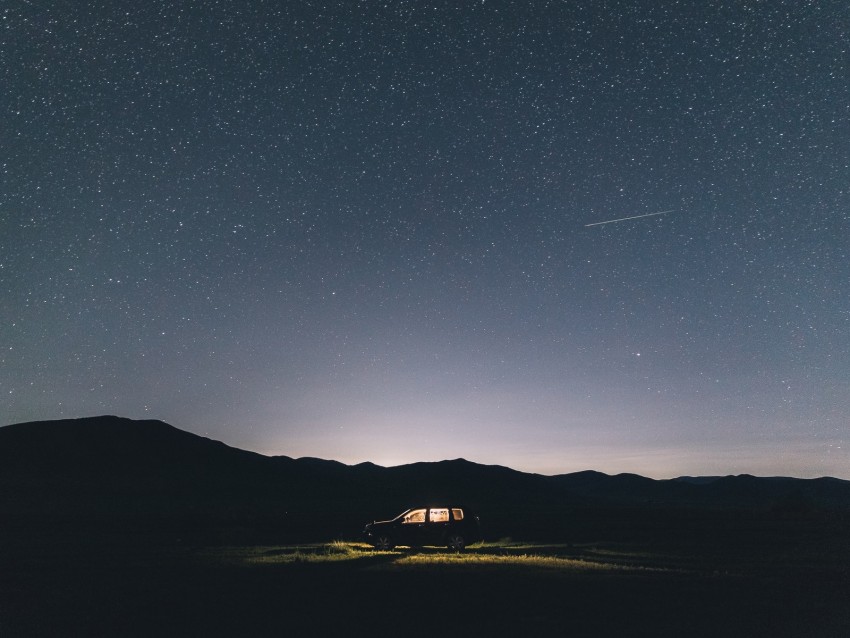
[{"x": 155, "y": 483}]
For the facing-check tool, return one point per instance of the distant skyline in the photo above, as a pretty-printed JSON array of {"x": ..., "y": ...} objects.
[{"x": 385, "y": 232}]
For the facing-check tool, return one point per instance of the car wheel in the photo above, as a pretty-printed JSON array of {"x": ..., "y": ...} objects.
[
  {"x": 456, "y": 543},
  {"x": 383, "y": 543}
]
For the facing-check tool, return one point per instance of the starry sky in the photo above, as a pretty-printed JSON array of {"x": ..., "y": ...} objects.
[{"x": 369, "y": 230}]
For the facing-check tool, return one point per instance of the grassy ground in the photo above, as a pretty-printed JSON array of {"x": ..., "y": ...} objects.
[
  {"x": 505, "y": 588},
  {"x": 527, "y": 557}
]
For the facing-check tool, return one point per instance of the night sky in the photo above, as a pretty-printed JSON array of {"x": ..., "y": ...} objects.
[{"x": 363, "y": 230}]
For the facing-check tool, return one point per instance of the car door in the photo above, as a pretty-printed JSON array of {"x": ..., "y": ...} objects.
[
  {"x": 412, "y": 528},
  {"x": 437, "y": 527}
]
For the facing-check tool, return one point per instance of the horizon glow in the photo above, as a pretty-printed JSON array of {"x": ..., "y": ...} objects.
[{"x": 361, "y": 232}]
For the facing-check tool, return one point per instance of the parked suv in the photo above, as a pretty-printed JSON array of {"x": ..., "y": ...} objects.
[{"x": 451, "y": 527}]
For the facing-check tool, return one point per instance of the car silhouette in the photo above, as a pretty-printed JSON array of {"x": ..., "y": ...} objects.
[{"x": 450, "y": 527}]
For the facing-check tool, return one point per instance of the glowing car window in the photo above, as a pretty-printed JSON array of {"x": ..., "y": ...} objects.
[
  {"x": 439, "y": 515},
  {"x": 457, "y": 514},
  {"x": 416, "y": 516}
]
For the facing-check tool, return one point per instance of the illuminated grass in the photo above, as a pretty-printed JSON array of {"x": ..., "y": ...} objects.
[
  {"x": 497, "y": 561},
  {"x": 335, "y": 552},
  {"x": 536, "y": 557}
]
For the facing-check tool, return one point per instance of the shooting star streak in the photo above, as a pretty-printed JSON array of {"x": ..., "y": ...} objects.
[{"x": 622, "y": 219}]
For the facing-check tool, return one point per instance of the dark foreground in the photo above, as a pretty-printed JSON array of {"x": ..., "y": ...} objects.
[{"x": 499, "y": 589}]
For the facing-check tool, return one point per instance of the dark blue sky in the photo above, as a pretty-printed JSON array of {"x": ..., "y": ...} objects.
[{"x": 359, "y": 230}]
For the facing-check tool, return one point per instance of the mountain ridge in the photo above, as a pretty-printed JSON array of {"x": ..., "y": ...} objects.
[
  {"x": 110, "y": 421},
  {"x": 111, "y": 472}
]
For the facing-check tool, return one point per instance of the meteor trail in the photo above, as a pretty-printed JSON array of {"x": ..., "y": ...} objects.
[{"x": 622, "y": 219}]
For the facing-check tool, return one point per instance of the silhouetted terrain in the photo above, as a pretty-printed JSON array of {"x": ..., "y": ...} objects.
[
  {"x": 151, "y": 480},
  {"x": 112, "y": 527}
]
